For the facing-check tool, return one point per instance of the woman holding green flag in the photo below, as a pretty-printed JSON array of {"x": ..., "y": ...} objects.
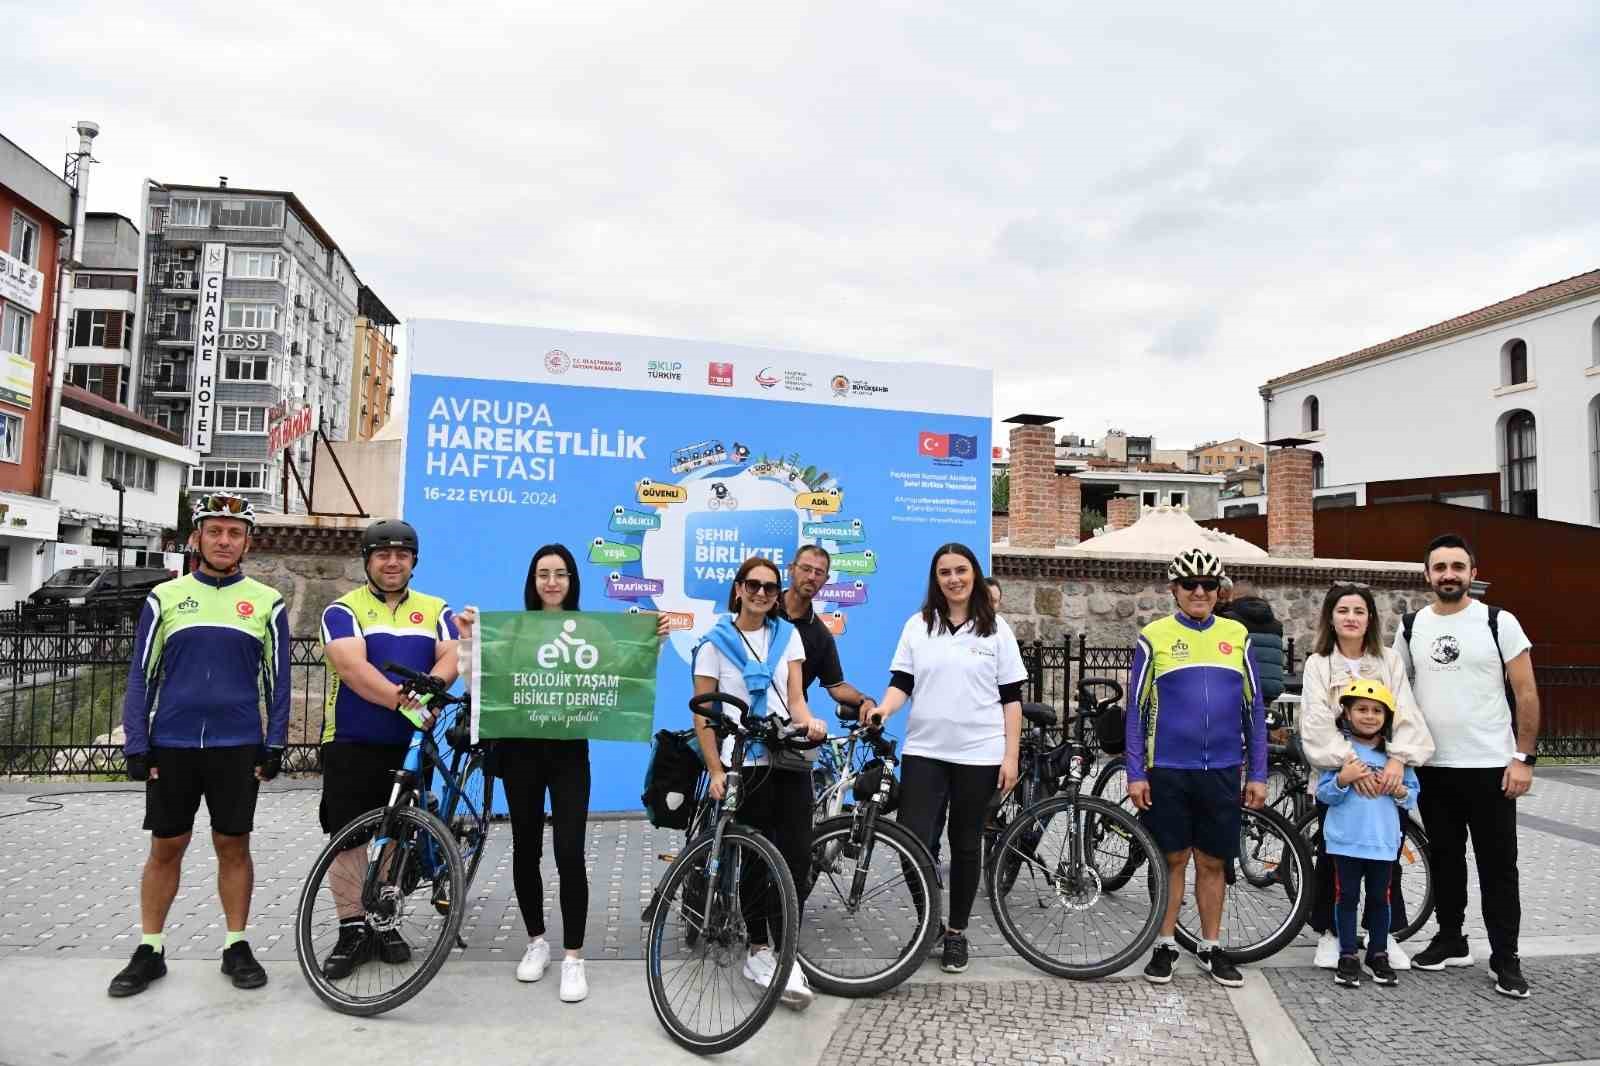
[
  {"x": 755, "y": 654},
  {"x": 529, "y": 770}
]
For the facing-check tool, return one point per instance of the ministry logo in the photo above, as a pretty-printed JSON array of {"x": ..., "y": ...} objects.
[{"x": 557, "y": 361}]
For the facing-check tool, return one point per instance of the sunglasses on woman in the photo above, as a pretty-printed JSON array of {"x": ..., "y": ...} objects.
[
  {"x": 752, "y": 587},
  {"x": 1189, "y": 584}
]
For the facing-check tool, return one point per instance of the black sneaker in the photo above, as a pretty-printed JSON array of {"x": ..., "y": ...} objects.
[
  {"x": 355, "y": 946},
  {"x": 1221, "y": 968},
  {"x": 1382, "y": 973},
  {"x": 1508, "y": 979},
  {"x": 1348, "y": 975},
  {"x": 147, "y": 965},
  {"x": 1443, "y": 951},
  {"x": 955, "y": 953},
  {"x": 392, "y": 947},
  {"x": 1158, "y": 971},
  {"x": 239, "y": 964}
]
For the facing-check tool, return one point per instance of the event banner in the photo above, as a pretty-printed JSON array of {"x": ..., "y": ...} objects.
[
  {"x": 663, "y": 464},
  {"x": 564, "y": 675}
]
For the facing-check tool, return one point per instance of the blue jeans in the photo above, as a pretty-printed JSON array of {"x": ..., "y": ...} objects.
[{"x": 1349, "y": 874}]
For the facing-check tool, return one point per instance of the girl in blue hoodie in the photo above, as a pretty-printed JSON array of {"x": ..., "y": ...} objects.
[{"x": 1361, "y": 832}]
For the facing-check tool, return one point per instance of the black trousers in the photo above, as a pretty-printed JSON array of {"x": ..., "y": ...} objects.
[
  {"x": 777, "y": 803},
  {"x": 529, "y": 769},
  {"x": 1461, "y": 802},
  {"x": 927, "y": 786},
  {"x": 1321, "y": 920}
]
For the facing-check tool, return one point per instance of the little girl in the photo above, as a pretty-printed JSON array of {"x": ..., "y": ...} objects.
[{"x": 1361, "y": 833}]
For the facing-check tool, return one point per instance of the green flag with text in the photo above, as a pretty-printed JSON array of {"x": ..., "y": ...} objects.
[{"x": 564, "y": 675}]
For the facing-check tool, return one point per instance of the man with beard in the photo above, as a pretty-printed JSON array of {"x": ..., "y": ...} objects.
[
  {"x": 364, "y": 733},
  {"x": 1472, "y": 674},
  {"x": 807, "y": 574}
]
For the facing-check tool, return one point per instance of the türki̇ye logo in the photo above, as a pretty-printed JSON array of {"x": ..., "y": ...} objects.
[
  {"x": 245, "y": 608},
  {"x": 416, "y": 618},
  {"x": 568, "y": 648},
  {"x": 947, "y": 445},
  {"x": 720, "y": 375}
]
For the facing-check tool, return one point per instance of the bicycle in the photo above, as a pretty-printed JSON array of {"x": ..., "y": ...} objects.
[
  {"x": 421, "y": 852},
  {"x": 1408, "y": 915},
  {"x": 1267, "y": 891},
  {"x": 697, "y": 936},
  {"x": 873, "y": 902},
  {"x": 1066, "y": 847},
  {"x": 1035, "y": 782}
]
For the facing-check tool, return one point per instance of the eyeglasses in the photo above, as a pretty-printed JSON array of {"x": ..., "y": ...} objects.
[
  {"x": 1189, "y": 584},
  {"x": 552, "y": 575},
  {"x": 814, "y": 571},
  {"x": 752, "y": 587}
]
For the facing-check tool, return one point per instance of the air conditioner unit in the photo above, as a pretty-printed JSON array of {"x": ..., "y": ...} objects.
[{"x": 182, "y": 279}]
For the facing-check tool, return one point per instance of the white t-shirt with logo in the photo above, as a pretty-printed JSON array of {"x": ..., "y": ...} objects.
[
  {"x": 710, "y": 662},
  {"x": 955, "y": 713},
  {"x": 1459, "y": 681}
]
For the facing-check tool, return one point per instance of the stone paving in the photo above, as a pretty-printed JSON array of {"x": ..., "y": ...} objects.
[
  {"x": 1003, "y": 1022},
  {"x": 1454, "y": 1016}
]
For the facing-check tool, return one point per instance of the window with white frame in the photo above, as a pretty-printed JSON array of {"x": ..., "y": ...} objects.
[
  {"x": 238, "y": 314},
  {"x": 1514, "y": 362},
  {"x": 252, "y": 263},
  {"x": 1178, "y": 498},
  {"x": 73, "y": 456},
  {"x": 24, "y": 239},
  {"x": 100, "y": 379},
  {"x": 1311, "y": 414},
  {"x": 1149, "y": 498},
  {"x": 162, "y": 416},
  {"x": 233, "y": 418},
  {"x": 16, "y": 332},
  {"x": 250, "y": 214},
  {"x": 190, "y": 211},
  {"x": 246, "y": 367},
  {"x": 228, "y": 475},
  {"x": 102, "y": 329},
  {"x": 10, "y": 439},
  {"x": 132, "y": 469}
]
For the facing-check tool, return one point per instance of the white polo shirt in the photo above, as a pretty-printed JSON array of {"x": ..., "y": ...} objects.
[
  {"x": 1459, "y": 682},
  {"x": 956, "y": 714}
]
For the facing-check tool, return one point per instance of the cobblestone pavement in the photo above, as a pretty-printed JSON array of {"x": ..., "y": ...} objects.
[
  {"x": 69, "y": 877},
  {"x": 1450, "y": 1017},
  {"x": 1094, "y": 1023}
]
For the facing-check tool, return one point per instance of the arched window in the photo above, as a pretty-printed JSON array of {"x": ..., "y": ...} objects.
[
  {"x": 1594, "y": 343},
  {"x": 1514, "y": 362},
  {"x": 1594, "y": 452},
  {"x": 1311, "y": 415},
  {"x": 1319, "y": 475},
  {"x": 1522, "y": 465}
]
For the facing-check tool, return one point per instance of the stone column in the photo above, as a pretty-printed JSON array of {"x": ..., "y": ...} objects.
[
  {"x": 1291, "y": 531},
  {"x": 1035, "y": 518},
  {"x": 1122, "y": 512},
  {"x": 1069, "y": 498}
]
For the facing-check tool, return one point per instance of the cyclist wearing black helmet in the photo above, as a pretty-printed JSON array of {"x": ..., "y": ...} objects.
[{"x": 364, "y": 735}]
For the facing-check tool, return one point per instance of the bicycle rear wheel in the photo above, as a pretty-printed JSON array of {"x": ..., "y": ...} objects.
[
  {"x": 1415, "y": 903},
  {"x": 1058, "y": 914},
  {"x": 409, "y": 867},
  {"x": 468, "y": 816},
  {"x": 859, "y": 941},
  {"x": 697, "y": 941},
  {"x": 1267, "y": 894}
]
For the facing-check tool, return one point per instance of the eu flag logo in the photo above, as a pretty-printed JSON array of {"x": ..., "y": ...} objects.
[{"x": 963, "y": 447}]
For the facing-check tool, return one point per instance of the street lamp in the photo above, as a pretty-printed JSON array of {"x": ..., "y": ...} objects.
[{"x": 121, "y": 492}]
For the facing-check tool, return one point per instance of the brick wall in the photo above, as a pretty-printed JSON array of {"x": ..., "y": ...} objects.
[
  {"x": 1122, "y": 512},
  {"x": 1290, "y": 530},
  {"x": 1035, "y": 518},
  {"x": 1069, "y": 501},
  {"x": 1000, "y": 527}
]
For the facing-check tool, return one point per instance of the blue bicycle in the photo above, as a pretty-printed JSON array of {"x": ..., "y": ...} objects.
[{"x": 388, "y": 890}]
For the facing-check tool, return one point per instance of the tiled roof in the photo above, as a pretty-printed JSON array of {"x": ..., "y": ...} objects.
[{"x": 1532, "y": 300}]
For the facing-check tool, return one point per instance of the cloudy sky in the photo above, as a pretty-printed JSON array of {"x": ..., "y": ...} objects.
[{"x": 1134, "y": 218}]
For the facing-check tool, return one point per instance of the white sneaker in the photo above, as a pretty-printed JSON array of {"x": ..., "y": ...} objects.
[
  {"x": 761, "y": 967},
  {"x": 797, "y": 994},
  {"x": 1328, "y": 951},
  {"x": 574, "y": 983},
  {"x": 534, "y": 961},
  {"x": 1398, "y": 959}
]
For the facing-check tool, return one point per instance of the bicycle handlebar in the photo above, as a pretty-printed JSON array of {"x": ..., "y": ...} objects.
[
  {"x": 767, "y": 729},
  {"x": 424, "y": 684}
]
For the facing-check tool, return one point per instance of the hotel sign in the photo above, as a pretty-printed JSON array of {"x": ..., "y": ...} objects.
[{"x": 208, "y": 342}]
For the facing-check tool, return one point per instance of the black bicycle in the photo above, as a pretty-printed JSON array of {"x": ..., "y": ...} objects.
[
  {"x": 1058, "y": 908},
  {"x": 873, "y": 900},
  {"x": 405, "y": 867},
  {"x": 697, "y": 924}
]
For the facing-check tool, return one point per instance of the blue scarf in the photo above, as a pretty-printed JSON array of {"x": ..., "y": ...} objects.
[{"x": 757, "y": 672}]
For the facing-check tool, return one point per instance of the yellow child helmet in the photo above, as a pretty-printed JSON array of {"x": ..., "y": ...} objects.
[{"x": 1365, "y": 689}]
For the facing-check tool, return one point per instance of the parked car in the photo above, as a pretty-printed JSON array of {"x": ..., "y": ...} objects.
[{"x": 99, "y": 589}]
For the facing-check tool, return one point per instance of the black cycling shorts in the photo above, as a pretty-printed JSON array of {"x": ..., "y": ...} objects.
[
  {"x": 355, "y": 779},
  {"x": 224, "y": 777},
  {"x": 1195, "y": 809}
]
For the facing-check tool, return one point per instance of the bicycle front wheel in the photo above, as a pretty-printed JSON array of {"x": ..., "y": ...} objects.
[
  {"x": 406, "y": 936},
  {"x": 697, "y": 942},
  {"x": 469, "y": 820},
  {"x": 1267, "y": 891},
  {"x": 1058, "y": 913},
  {"x": 874, "y": 907}
]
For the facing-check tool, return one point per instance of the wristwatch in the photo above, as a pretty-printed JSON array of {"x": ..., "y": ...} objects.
[{"x": 1524, "y": 757}]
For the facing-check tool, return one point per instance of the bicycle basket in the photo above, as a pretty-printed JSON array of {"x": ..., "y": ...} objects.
[
  {"x": 1110, "y": 727},
  {"x": 672, "y": 778},
  {"x": 866, "y": 785}
]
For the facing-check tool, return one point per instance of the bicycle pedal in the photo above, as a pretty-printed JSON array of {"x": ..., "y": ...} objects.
[{"x": 667, "y": 856}]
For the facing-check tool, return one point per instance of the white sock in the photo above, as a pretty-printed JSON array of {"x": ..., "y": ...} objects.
[
  {"x": 1205, "y": 946},
  {"x": 1167, "y": 941}
]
